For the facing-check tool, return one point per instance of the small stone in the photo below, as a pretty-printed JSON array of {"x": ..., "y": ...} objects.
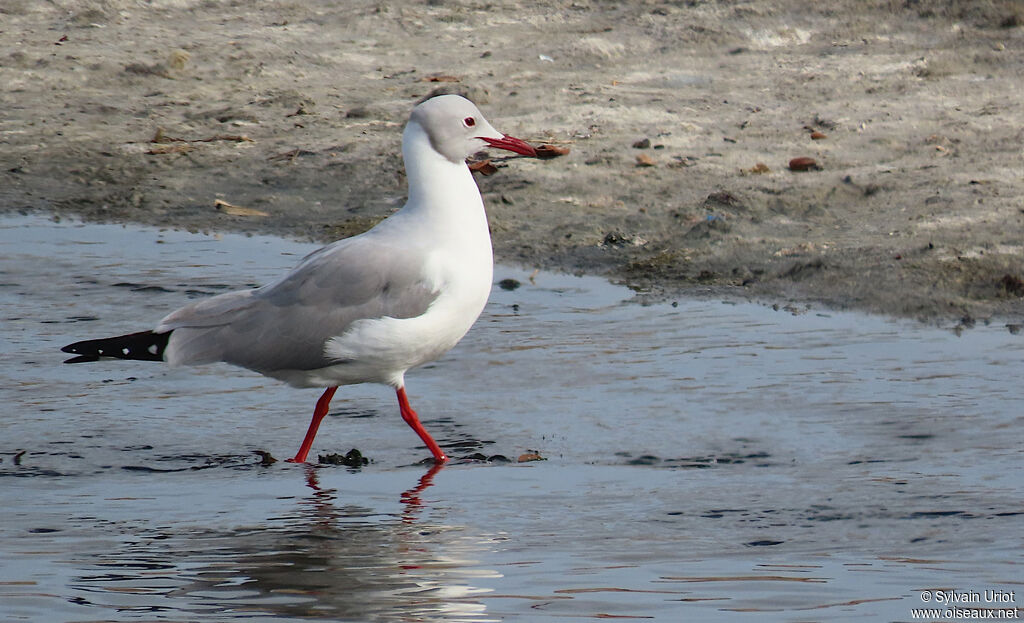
[{"x": 804, "y": 164}]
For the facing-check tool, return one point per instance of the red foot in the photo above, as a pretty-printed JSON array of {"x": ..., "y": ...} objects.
[
  {"x": 318, "y": 414},
  {"x": 413, "y": 421}
]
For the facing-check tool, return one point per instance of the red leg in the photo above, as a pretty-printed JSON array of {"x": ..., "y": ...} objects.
[
  {"x": 318, "y": 414},
  {"x": 413, "y": 421}
]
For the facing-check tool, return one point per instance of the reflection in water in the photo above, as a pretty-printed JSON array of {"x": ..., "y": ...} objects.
[
  {"x": 411, "y": 499},
  {"x": 323, "y": 560}
]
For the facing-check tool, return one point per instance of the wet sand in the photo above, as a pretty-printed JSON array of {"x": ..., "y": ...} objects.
[{"x": 681, "y": 120}]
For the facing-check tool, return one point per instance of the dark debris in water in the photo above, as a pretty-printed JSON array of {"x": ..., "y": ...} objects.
[
  {"x": 352, "y": 459},
  {"x": 478, "y": 457},
  {"x": 266, "y": 459}
]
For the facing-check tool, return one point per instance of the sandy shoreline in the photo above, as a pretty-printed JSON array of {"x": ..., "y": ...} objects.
[{"x": 681, "y": 122}]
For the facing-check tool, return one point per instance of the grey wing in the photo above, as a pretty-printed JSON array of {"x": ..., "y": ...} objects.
[{"x": 284, "y": 325}]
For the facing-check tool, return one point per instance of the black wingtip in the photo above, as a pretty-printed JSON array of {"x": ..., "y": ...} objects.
[
  {"x": 81, "y": 359},
  {"x": 143, "y": 346},
  {"x": 73, "y": 349}
]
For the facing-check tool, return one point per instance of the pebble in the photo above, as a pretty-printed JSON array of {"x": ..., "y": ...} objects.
[{"x": 804, "y": 164}]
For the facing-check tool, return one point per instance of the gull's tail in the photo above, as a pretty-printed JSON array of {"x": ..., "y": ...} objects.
[{"x": 144, "y": 346}]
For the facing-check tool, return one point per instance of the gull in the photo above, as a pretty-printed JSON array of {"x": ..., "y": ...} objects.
[{"x": 364, "y": 309}]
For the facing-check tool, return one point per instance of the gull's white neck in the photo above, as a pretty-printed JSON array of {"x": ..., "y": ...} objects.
[
  {"x": 444, "y": 189},
  {"x": 446, "y": 213}
]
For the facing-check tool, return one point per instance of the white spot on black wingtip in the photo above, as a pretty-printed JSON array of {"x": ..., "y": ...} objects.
[
  {"x": 125, "y": 351},
  {"x": 152, "y": 349}
]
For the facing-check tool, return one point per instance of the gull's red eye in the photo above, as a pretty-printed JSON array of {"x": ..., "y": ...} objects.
[{"x": 469, "y": 122}]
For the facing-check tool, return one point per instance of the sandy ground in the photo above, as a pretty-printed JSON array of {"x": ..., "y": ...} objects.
[{"x": 681, "y": 118}]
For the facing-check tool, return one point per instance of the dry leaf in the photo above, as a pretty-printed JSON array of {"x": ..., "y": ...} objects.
[
  {"x": 643, "y": 160},
  {"x": 758, "y": 169},
  {"x": 234, "y": 210},
  {"x": 550, "y": 151},
  {"x": 530, "y": 456},
  {"x": 483, "y": 167}
]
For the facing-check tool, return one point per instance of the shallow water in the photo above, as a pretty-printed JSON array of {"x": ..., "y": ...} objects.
[{"x": 708, "y": 460}]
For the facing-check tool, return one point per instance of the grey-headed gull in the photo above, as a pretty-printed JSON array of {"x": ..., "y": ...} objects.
[{"x": 364, "y": 309}]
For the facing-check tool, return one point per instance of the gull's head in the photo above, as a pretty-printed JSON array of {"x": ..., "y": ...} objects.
[{"x": 457, "y": 129}]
